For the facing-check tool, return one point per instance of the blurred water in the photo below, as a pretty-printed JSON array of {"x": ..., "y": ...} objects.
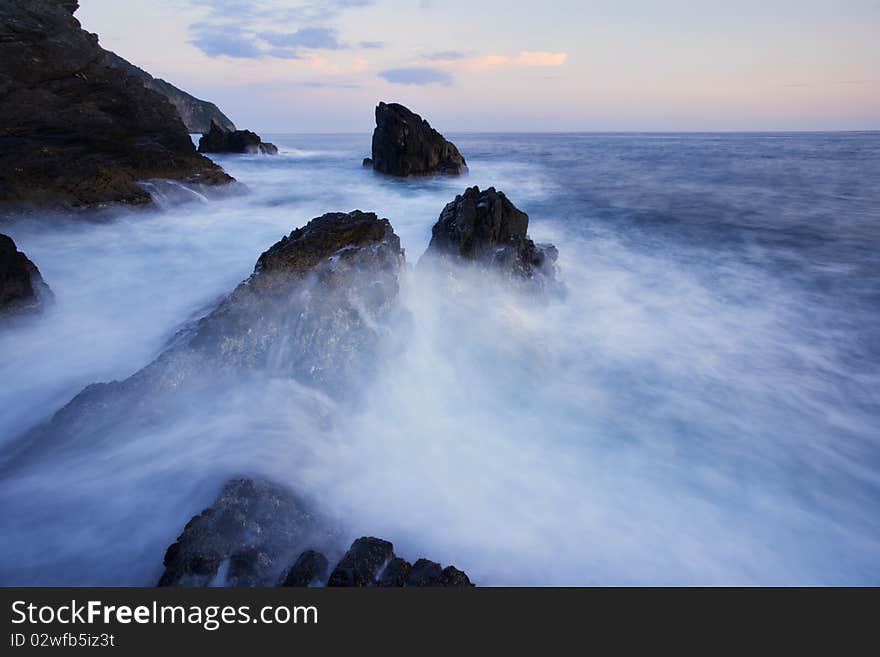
[{"x": 702, "y": 407}]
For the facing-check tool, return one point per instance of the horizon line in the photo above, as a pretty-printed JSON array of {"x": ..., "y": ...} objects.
[{"x": 593, "y": 132}]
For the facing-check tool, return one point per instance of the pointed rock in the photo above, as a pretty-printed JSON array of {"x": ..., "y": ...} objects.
[
  {"x": 404, "y": 144},
  {"x": 484, "y": 227}
]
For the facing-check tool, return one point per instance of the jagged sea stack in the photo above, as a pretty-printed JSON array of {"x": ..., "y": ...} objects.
[
  {"x": 22, "y": 289},
  {"x": 220, "y": 140},
  {"x": 485, "y": 228},
  {"x": 76, "y": 132},
  {"x": 404, "y": 144}
]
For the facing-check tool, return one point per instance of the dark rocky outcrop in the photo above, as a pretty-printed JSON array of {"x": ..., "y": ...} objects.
[
  {"x": 22, "y": 288},
  {"x": 362, "y": 563},
  {"x": 395, "y": 573},
  {"x": 251, "y": 529},
  {"x": 431, "y": 573},
  {"x": 243, "y": 538},
  {"x": 197, "y": 115},
  {"x": 372, "y": 562},
  {"x": 74, "y": 131},
  {"x": 220, "y": 140},
  {"x": 484, "y": 227},
  {"x": 344, "y": 268},
  {"x": 404, "y": 144},
  {"x": 309, "y": 568}
]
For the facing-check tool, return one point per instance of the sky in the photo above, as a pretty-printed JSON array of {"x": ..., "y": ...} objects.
[{"x": 494, "y": 65}]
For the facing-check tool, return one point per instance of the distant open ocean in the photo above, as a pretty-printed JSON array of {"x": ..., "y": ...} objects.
[{"x": 701, "y": 407}]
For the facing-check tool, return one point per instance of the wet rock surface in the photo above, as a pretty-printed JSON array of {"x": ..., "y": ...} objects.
[
  {"x": 484, "y": 227},
  {"x": 22, "y": 289},
  {"x": 371, "y": 562},
  {"x": 362, "y": 563},
  {"x": 395, "y": 573},
  {"x": 248, "y": 537},
  {"x": 75, "y": 132},
  {"x": 404, "y": 144},
  {"x": 344, "y": 269},
  {"x": 310, "y": 567},
  {"x": 221, "y": 140},
  {"x": 317, "y": 309},
  {"x": 249, "y": 531},
  {"x": 431, "y": 573}
]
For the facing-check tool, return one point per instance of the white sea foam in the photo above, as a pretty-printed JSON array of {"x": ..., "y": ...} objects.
[{"x": 682, "y": 415}]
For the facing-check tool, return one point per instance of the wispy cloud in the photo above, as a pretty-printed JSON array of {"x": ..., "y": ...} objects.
[
  {"x": 483, "y": 63},
  {"x": 316, "y": 38},
  {"x": 322, "y": 84},
  {"x": 224, "y": 40},
  {"x": 311, "y": 11},
  {"x": 269, "y": 28},
  {"x": 540, "y": 58},
  {"x": 371, "y": 45},
  {"x": 416, "y": 75},
  {"x": 526, "y": 58}
]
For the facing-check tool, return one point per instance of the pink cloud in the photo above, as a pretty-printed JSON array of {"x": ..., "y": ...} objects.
[
  {"x": 541, "y": 58},
  {"x": 492, "y": 61},
  {"x": 484, "y": 63}
]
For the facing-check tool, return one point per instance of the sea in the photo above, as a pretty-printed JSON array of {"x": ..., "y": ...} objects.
[{"x": 700, "y": 406}]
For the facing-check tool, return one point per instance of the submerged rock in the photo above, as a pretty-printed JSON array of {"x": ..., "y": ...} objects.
[
  {"x": 404, "y": 144},
  {"x": 484, "y": 227},
  {"x": 318, "y": 309},
  {"x": 196, "y": 114},
  {"x": 221, "y": 140},
  {"x": 251, "y": 529},
  {"x": 76, "y": 132},
  {"x": 22, "y": 288}
]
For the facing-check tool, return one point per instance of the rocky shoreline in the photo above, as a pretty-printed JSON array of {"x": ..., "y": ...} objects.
[
  {"x": 320, "y": 307},
  {"x": 197, "y": 114},
  {"x": 77, "y": 133}
]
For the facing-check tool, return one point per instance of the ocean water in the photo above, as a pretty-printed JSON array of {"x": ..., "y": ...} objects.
[{"x": 702, "y": 406}]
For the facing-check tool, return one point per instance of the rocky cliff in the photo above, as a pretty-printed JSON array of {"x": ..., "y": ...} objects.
[
  {"x": 404, "y": 144},
  {"x": 74, "y": 131},
  {"x": 195, "y": 113}
]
